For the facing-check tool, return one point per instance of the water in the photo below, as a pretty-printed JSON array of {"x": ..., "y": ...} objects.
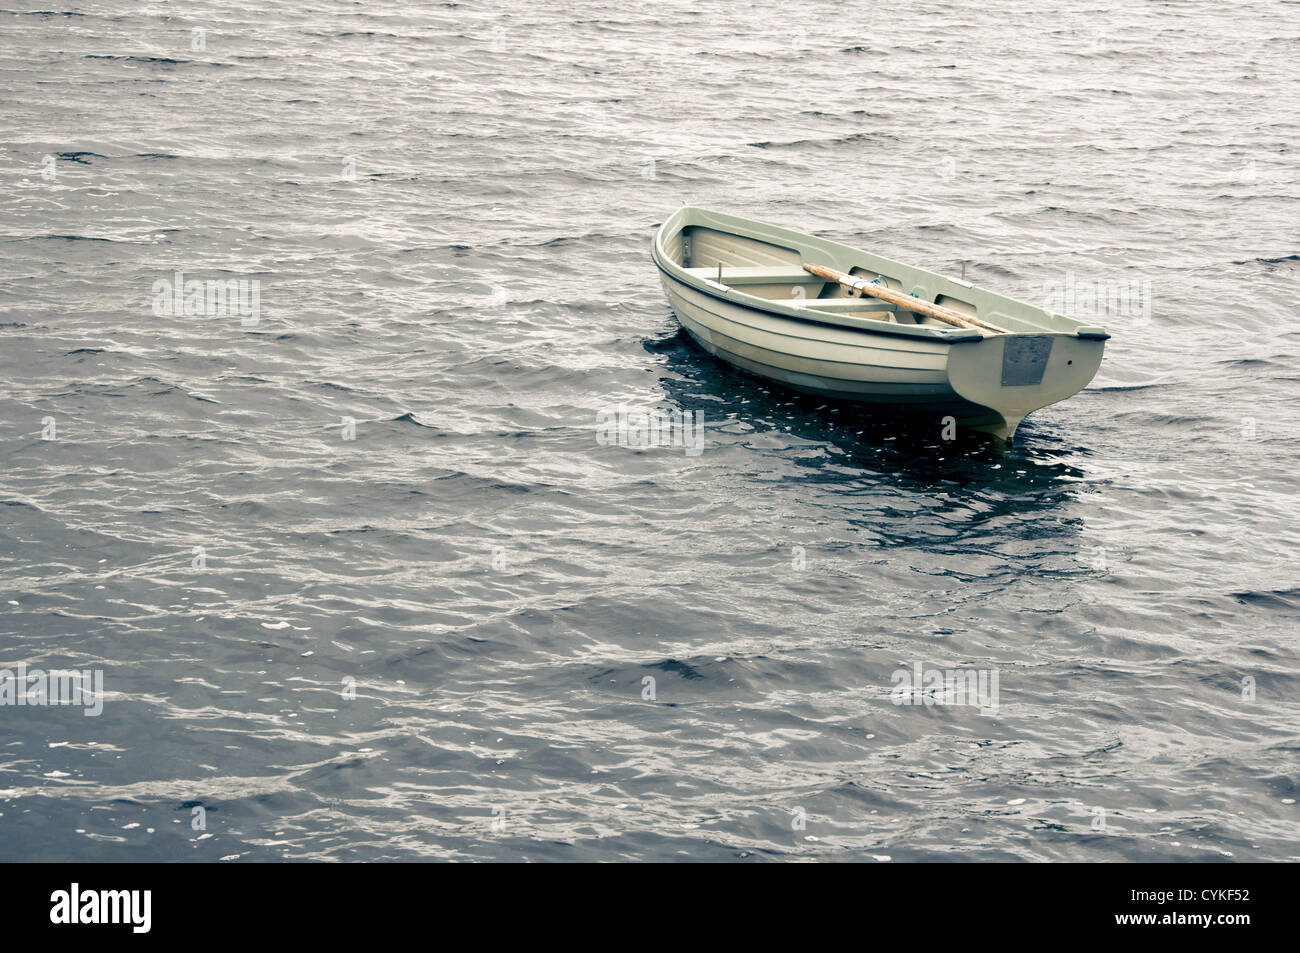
[{"x": 449, "y": 209}]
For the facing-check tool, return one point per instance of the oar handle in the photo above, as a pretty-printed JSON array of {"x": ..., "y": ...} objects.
[{"x": 904, "y": 301}]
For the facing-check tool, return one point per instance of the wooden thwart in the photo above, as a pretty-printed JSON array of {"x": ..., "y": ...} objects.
[{"x": 904, "y": 302}]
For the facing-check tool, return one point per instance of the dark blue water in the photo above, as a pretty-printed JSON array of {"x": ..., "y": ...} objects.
[{"x": 448, "y": 209}]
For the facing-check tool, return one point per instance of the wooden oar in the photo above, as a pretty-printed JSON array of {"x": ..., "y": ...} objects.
[{"x": 903, "y": 301}]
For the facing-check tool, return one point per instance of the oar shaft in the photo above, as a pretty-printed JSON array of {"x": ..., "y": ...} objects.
[{"x": 903, "y": 301}]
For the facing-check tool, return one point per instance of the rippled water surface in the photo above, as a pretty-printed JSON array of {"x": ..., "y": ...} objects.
[{"x": 448, "y": 208}]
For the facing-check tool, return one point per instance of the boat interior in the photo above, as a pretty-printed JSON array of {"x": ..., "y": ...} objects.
[{"x": 776, "y": 273}]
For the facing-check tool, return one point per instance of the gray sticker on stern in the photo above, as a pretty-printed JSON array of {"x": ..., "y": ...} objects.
[{"x": 1024, "y": 358}]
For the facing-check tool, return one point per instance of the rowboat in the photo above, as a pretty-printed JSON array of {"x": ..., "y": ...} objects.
[{"x": 831, "y": 320}]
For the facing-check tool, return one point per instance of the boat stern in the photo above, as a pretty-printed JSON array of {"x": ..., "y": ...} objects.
[{"x": 1012, "y": 375}]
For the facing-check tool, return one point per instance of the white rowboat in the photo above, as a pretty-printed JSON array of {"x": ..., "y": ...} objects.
[{"x": 747, "y": 293}]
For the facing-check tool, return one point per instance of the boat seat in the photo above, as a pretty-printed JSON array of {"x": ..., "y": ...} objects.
[{"x": 760, "y": 275}]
